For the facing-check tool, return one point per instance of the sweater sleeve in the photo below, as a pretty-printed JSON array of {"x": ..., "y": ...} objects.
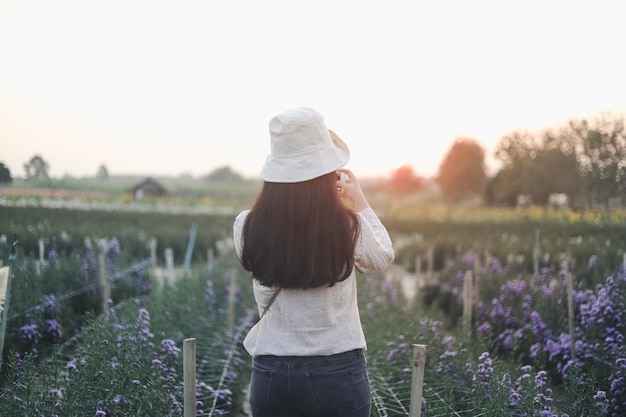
[
  {"x": 373, "y": 249},
  {"x": 238, "y": 231}
]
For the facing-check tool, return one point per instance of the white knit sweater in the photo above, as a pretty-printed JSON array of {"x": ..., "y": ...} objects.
[{"x": 319, "y": 321}]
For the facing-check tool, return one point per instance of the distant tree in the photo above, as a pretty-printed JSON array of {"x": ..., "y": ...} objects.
[
  {"x": 5, "y": 174},
  {"x": 36, "y": 168},
  {"x": 550, "y": 171},
  {"x": 504, "y": 187},
  {"x": 535, "y": 165},
  {"x": 515, "y": 147},
  {"x": 462, "y": 171},
  {"x": 223, "y": 174},
  {"x": 404, "y": 180},
  {"x": 103, "y": 172},
  {"x": 601, "y": 149}
]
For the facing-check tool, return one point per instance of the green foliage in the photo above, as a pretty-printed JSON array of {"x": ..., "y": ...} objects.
[
  {"x": 513, "y": 240},
  {"x": 68, "y": 228},
  {"x": 36, "y": 168},
  {"x": 129, "y": 361},
  {"x": 462, "y": 375},
  {"x": 5, "y": 174},
  {"x": 583, "y": 159}
]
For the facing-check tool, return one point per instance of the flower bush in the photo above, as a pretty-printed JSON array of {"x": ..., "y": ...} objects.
[{"x": 526, "y": 322}]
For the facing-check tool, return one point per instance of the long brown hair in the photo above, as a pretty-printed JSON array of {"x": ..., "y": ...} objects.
[{"x": 300, "y": 235}]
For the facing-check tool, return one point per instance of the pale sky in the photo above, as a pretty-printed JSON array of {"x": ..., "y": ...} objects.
[{"x": 172, "y": 87}]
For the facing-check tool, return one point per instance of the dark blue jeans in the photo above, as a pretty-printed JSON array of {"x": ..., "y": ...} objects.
[{"x": 310, "y": 386}]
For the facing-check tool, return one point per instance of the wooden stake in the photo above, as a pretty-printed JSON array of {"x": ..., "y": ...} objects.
[
  {"x": 189, "y": 377},
  {"x": 169, "y": 265},
  {"x": 41, "y": 251},
  {"x": 4, "y": 305},
  {"x": 570, "y": 306},
  {"x": 417, "y": 379},
  {"x": 152, "y": 243},
  {"x": 232, "y": 292},
  {"x": 209, "y": 258},
  {"x": 418, "y": 272},
  {"x": 105, "y": 283},
  {"x": 467, "y": 303},
  {"x": 477, "y": 281},
  {"x": 431, "y": 264},
  {"x": 537, "y": 252},
  {"x": 191, "y": 242}
]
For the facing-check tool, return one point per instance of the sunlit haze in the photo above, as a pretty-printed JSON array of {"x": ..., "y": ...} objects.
[{"x": 168, "y": 88}]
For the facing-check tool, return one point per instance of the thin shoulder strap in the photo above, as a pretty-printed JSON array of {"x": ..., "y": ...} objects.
[{"x": 267, "y": 307}]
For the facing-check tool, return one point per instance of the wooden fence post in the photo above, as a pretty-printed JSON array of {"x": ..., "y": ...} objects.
[
  {"x": 570, "y": 306},
  {"x": 417, "y": 379},
  {"x": 418, "y": 264},
  {"x": 232, "y": 292},
  {"x": 467, "y": 303},
  {"x": 537, "y": 251},
  {"x": 431, "y": 264},
  {"x": 209, "y": 258},
  {"x": 477, "y": 281},
  {"x": 4, "y": 305},
  {"x": 189, "y": 377},
  {"x": 169, "y": 265},
  {"x": 42, "y": 259},
  {"x": 105, "y": 283},
  {"x": 190, "y": 245},
  {"x": 6, "y": 273},
  {"x": 152, "y": 243}
]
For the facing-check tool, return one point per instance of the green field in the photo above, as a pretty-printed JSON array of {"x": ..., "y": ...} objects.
[{"x": 515, "y": 361}]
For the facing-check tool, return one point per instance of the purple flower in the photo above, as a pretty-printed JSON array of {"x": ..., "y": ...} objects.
[
  {"x": 592, "y": 262},
  {"x": 30, "y": 333},
  {"x": 144, "y": 317},
  {"x": 169, "y": 348},
  {"x": 51, "y": 305},
  {"x": 54, "y": 329},
  {"x": 113, "y": 249},
  {"x": 483, "y": 374}
]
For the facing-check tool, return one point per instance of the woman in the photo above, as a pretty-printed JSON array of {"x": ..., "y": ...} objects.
[{"x": 309, "y": 227}]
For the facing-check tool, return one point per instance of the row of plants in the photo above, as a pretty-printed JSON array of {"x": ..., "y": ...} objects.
[
  {"x": 521, "y": 320},
  {"x": 516, "y": 362},
  {"x": 50, "y": 300},
  {"x": 508, "y": 234},
  {"x": 66, "y": 229},
  {"x": 515, "y": 237},
  {"x": 128, "y": 361},
  {"x": 520, "y": 344}
]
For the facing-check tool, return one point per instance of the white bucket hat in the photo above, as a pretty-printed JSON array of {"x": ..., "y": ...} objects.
[{"x": 302, "y": 147}]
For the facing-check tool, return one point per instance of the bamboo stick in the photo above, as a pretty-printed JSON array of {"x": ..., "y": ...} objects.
[
  {"x": 417, "y": 379},
  {"x": 189, "y": 377}
]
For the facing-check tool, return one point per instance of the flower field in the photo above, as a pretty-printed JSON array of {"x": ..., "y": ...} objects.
[{"x": 69, "y": 352}]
